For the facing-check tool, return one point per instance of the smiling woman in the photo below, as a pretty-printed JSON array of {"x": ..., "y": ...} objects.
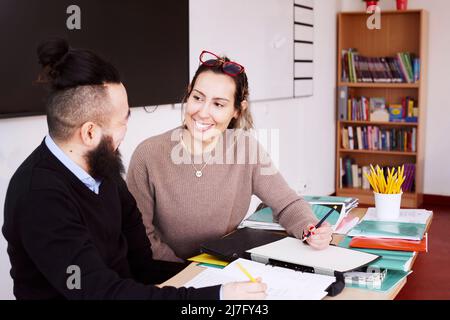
[{"x": 185, "y": 203}]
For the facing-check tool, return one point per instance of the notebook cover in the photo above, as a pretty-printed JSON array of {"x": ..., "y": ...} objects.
[
  {"x": 234, "y": 245},
  {"x": 393, "y": 260},
  {"x": 388, "y": 229},
  {"x": 390, "y": 244}
]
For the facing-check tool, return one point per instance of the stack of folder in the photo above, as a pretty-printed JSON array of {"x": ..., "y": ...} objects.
[{"x": 396, "y": 242}]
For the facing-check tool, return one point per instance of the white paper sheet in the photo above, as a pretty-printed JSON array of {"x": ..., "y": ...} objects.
[
  {"x": 406, "y": 215},
  {"x": 282, "y": 283}
]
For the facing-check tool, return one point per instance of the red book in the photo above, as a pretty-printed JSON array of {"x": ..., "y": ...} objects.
[{"x": 391, "y": 244}]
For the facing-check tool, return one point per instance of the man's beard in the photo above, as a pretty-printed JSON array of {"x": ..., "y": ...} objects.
[{"x": 104, "y": 161}]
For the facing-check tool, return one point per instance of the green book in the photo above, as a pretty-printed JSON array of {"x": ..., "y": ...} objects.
[
  {"x": 350, "y": 64},
  {"x": 263, "y": 215},
  {"x": 393, "y": 277},
  {"x": 204, "y": 264},
  {"x": 320, "y": 210},
  {"x": 389, "y": 229},
  {"x": 409, "y": 67},
  {"x": 332, "y": 199},
  {"x": 392, "y": 264},
  {"x": 263, "y": 219},
  {"x": 391, "y": 260}
]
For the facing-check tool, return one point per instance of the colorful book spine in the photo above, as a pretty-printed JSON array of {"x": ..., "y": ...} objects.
[
  {"x": 404, "y": 67},
  {"x": 416, "y": 69},
  {"x": 352, "y": 176},
  {"x": 376, "y": 138}
]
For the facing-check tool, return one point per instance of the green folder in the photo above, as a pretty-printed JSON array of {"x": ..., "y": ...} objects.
[
  {"x": 320, "y": 210},
  {"x": 389, "y": 229},
  {"x": 263, "y": 215},
  {"x": 331, "y": 199},
  {"x": 395, "y": 255},
  {"x": 203, "y": 264},
  {"x": 391, "y": 260},
  {"x": 393, "y": 277}
]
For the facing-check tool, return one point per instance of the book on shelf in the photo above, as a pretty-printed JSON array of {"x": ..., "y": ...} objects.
[
  {"x": 410, "y": 171},
  {"x": 395, "y": 112},
  {"x": 378, "y": 110},
  {"x": 352, "y": 175},
  {"x": 363, "y": 108},
  {"x": 416, "y": 69},
  {"x": 379, "y": 138},
  {"x": 342, "y": 103},
  {"x": 410, "y": 110},
  {"x": 404, "y": 67}
]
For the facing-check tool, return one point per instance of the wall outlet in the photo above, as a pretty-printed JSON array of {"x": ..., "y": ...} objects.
[{"x": 304, "y": 186}]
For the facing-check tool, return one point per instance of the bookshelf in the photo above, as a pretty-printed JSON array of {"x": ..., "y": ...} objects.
[{"x": 401, "y": 31}]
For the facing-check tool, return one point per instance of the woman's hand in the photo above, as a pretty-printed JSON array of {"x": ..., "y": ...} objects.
[
  {"x": 320, "y": 238},
  {"x": 244, "y": 290}
]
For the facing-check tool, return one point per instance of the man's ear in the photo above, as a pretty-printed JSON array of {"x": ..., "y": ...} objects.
[{"x": 90, "y": 134}]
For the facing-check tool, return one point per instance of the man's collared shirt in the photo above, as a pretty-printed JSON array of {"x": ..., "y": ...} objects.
[{"x": 91, "y": 183}]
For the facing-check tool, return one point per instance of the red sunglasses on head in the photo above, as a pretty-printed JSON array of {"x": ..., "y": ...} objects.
[{"x": 229, "y": 67}]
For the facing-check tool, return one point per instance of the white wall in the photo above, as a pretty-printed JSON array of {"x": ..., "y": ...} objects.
[
  {"x": 437, "y": 147},
  {"x": 307, "y": 129}
]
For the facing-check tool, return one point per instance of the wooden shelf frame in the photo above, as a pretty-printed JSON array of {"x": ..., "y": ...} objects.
[
  {"x": 378, "y": 123},
  {"x": 401, "y": 31}
]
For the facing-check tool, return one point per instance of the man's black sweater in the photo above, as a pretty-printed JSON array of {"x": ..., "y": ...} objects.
[{"x": 53, "y": 221}]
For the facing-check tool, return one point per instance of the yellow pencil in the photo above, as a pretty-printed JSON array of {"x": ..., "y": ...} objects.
[
  {"x": 387, "y": 184},
  {"x": 245, "y": 272}
]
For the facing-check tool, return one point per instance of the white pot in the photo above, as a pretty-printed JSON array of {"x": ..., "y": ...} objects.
[{"x": 387, "y": 206}]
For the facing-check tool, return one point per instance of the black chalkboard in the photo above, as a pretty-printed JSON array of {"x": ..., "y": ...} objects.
[{"x": 146, "y": 40}]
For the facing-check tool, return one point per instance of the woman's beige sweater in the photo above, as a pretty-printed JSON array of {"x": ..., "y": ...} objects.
[{"x": 181, "y": 211}]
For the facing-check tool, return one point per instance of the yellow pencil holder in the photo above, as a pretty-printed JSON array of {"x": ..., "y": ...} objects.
[{"x": 387, "y": 206}]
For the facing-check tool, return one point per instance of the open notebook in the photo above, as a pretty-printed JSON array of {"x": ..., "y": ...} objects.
[
  {"x": 282, "y": 283},
  {"x": 263, "y": 219}
]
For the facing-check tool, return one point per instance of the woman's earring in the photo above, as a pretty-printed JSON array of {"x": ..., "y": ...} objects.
[{"x": 183, "y": 118}]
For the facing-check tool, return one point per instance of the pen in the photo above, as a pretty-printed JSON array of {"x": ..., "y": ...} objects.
[
  {"x": 320, "y": 222},
  {"x": 245, "y": 272}
]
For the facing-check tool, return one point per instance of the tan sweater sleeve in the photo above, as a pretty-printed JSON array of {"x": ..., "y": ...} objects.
[
  {"x": 289, "y": 209},
  {"x": 142, "y": 189}
]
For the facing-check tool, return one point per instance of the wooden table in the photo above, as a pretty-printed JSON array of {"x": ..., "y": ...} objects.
[{"x": 347, "y": 294}]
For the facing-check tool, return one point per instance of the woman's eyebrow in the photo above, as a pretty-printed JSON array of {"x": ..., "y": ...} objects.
[
  {"x": 199, "y": 92},
  {"x": 215, "y": 98},
  {"x": 224, "y": 99}
]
